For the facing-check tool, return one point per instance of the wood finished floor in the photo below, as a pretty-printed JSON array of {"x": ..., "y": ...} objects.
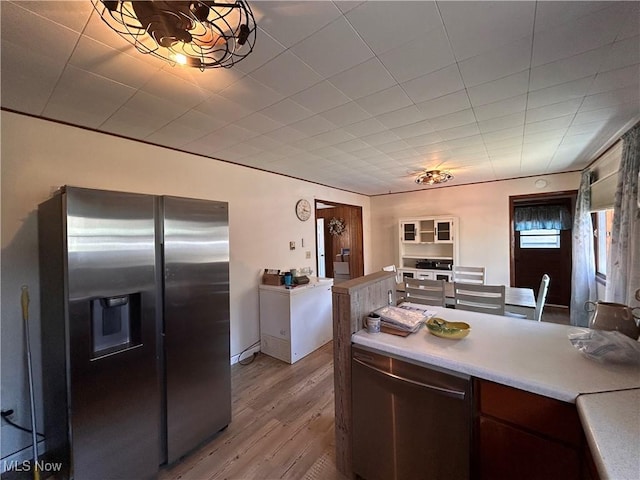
[
  {"x": 282, "y": 425},
  {"x": 282, "y": 422},
  {"x": 555, "y": 314}
]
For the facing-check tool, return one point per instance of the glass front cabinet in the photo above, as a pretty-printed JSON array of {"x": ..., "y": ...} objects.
[
  {"x": 409, "y": 232},
  {"x": 443, "y": 231},
  {"x": 426, "y": 243},
  {"x": 427, "y": 230}
]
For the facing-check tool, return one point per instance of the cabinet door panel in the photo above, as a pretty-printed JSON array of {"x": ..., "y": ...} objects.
[
  {"x": 549, "y": 417},
  {"x": 444, "y": 231},
  {"x": 425, "y": 275},
  {"x": 410, "y": 232},
  {"x": 507, "y": 452}
]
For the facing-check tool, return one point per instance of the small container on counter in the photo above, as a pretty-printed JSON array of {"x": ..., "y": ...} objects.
[{"x": 372, "y": 323}]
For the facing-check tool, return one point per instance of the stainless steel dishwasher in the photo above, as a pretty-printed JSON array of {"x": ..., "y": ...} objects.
[{"x": 409, "y": 421}]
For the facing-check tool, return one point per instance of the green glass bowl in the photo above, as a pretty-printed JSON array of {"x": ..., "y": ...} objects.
[{"x": 453, "y": 330}]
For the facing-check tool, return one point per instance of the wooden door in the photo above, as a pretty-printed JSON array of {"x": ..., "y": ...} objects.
[
  {"x": 351, "y": 238},
  {"x": 529, "y": 264}
]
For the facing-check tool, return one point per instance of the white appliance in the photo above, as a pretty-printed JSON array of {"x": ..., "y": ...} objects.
[{"x": 295, "y": 322}]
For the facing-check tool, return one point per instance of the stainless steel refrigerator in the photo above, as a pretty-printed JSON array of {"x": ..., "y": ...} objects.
[{"x": 135, "y": 329}]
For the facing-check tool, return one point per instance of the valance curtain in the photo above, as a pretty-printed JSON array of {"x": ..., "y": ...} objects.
[
  {"x": 583, "y": 269},
  {"x": 542, "y": 217},
  {"x": 623, "y": 268}
]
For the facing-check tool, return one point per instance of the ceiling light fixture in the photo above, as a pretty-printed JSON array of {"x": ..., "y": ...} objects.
[
  {"x": 431, "y": 177},
  {"x": 197, "y": 34}
]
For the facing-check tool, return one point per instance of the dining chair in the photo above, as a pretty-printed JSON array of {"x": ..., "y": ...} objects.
[
  {"x": 427, "y": 292},
  {"x": 541, "y": 298},
  {"x": 463, "y": 274},
  {"x": 479, "y": 298}
]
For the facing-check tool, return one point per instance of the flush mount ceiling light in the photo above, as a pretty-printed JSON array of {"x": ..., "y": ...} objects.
[
  {"x": 431, "y": 177},
  {"x": 197, "y": 34}
]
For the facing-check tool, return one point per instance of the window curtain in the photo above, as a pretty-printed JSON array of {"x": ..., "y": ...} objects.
[
  {"x": 542, "y": 217},
  {"x": 583, "y": 270},
  {"x": 623, "y": 268}
]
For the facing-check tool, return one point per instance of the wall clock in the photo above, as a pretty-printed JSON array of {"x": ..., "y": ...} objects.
[{"x": 303, "y": 210}]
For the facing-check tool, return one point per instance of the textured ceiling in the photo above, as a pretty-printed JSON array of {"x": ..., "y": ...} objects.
[{"x": 354, "y": 95}]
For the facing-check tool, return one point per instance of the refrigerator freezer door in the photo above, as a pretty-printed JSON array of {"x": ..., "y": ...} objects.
[
  {"x": 112, "y": 325},
  {"x": 196, "y": 322}
]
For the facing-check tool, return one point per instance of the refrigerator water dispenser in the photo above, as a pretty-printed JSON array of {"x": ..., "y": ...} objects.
[{"x": 115, "y": 323}]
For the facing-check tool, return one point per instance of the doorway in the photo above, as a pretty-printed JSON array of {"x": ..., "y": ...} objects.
[
  {"x": 320, "y": 255},
  {"x": 543, "y": 250},
  {"x": 334, "y": 244}
]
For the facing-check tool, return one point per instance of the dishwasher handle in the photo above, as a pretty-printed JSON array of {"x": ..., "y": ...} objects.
[{"x": 445, "y": 391}]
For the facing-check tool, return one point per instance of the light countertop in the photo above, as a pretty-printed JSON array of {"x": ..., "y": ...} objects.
[
  {"x": 536, "y": 357},
  {"x": 532, "y": 356},
  {"x": 611, "y": 423}
]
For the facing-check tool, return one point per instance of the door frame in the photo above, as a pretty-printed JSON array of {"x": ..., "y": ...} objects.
[
  {"x": 355, "y": 237},
  {"x": 515, "y": 200}
]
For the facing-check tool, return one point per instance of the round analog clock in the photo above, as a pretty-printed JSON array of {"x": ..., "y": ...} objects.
[{"x": 303, "y": 210}]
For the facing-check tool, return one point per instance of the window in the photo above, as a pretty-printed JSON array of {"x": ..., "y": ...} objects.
[
  {"x": 602, "y": 223},
  {"x": 542, "y": 217},
  {"x": 540, "y": 239}
]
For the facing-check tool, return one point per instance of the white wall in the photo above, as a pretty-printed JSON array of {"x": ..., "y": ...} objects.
[
  {"x": 483, "y": 219},
  {"x": 39, "y": 156}
]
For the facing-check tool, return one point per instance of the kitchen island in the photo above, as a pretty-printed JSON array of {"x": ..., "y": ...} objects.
[
  {"x": 532, "y": 356},
  {"x": 536, "y": 358}
]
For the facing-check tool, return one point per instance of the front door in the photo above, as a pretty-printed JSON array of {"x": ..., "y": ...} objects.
[{"x": 535, "y": 253}]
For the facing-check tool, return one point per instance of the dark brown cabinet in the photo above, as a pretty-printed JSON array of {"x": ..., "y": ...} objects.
[
  {"x": 526, "y": 436},
  {"x": 510, "y": 452}
]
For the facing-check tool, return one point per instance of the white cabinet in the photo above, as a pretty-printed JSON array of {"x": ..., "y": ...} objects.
[
  {"x": 428, "y": 240},
  {"x": 425, "y": 274},
  {"x": 415, "y": 273},
  {"x": 295, "y": 322},
  {"x": 427, "y": 230}
]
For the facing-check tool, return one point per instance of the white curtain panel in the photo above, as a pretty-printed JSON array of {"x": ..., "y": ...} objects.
[
  {"x": 583, "y": 270},
  {"x": 623, "y": 268}
]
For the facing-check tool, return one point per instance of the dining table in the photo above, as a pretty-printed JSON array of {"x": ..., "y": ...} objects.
[{"x": 518, "y": 300}]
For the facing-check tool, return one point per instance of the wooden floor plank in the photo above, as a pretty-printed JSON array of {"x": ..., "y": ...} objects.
[{"x": 282, "y": 425}]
